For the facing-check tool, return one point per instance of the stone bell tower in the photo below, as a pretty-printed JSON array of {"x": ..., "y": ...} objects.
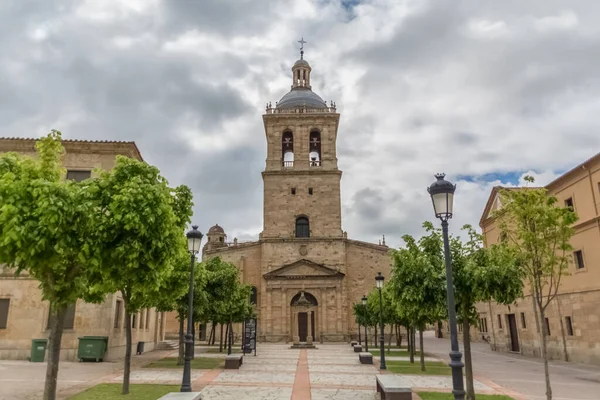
[{"x": 301, "y": 178}]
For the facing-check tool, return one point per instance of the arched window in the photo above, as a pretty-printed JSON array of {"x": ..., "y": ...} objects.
[
  {"x": 287, "y": 149},
  {"x": 315, "y": 149},
  {"x": 302, "y": 227}
]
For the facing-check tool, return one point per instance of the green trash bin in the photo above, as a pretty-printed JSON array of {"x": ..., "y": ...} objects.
[
  {"x": 38, "y": 350},
  {"x": 92, "y": 348}
]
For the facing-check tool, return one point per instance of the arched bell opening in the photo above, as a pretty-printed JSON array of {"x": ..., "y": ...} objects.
[
  {"x": 287, "y": 149},
  {"x": 315, "y": 148}
]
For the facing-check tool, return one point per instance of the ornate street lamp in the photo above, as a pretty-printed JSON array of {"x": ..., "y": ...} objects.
[
  {"x": 442, "y": 196},
  {"x": 364, "y": 303},
  {"x": 379, "y": 280},
  {"x": 194, "y": 238}
]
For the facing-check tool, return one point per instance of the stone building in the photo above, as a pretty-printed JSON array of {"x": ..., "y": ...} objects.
[
  {"x": 513, "y": 328},
  {"x": 23, "y": 313},
  {"x": 305, "y": 271}
]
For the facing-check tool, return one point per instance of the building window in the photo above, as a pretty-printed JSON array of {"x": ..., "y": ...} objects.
[
  {"x": 253, "y": 295},
  {"x": 118, "y": 314},
  {"x": 302, "y": 227},
  {"x": 293, "y": 191},
  {"x": 142, "y": 315},
  {"x": 547, "y": 326},
  {"x": 499, "y": 321},
  {"x": 523, "y": 322},
  {"x": 578, "y": 256},
  {"x": 483, "y": 325},
  {"x": 315, "y": 149},
  {"x": 4, "y": 303},
  {"x": 310, "y": 191},
  {"x": 133, "y": 320},
  {"x": 78, "y": 176},
  {"x": 287, "y": 149},
  {"x": 69, "y": 317},
  {"x": 569, "y": 203},
  {"x": 148, "y": 318},
  {"x": 569, "y": 322}
]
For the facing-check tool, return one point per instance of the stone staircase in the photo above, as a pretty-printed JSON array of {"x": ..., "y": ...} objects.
[{"x": 168, "y": 345}]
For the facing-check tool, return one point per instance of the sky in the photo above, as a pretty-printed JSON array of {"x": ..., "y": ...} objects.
[{"x": 485, "y": 91}]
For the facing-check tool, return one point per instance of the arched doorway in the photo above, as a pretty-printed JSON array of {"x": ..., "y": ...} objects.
[{"x": 304, "y": 317}]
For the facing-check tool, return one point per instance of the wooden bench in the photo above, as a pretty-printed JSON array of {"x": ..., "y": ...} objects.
[
  {"x": 234, "y": 361},
  {"x": 393, "y": 387},
  {"x": 365, "y": 358},
  {"x": 353, "y": 343},
  {"x": 357, "y": 348}
]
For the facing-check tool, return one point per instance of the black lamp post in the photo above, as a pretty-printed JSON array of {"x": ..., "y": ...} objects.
[
  {"x": 359, "y": 338},
  {"x": 379, "y": 280},
  {"x": 364, "y": 303},
  {"x": 194, "y": 237},
  {"x": 442, "y": 196}
]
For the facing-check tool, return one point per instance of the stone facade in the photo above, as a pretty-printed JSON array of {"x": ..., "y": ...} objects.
[
  {"x": 27, "y": 316},
  {"x": 576, "y": 309},
  {"x": 302, "y": 248}
]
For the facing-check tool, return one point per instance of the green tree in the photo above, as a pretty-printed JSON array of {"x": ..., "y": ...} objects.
[
  {"x": 538, "y": 230},
  {"x": 418, "y": 282},
  {"x": 140, "y": 223},
  {"x": 45, "y": 231},
  {"x": 481, "y": 275}
]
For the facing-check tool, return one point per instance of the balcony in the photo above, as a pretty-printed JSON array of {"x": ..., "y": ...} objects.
[
  {"x": 315, "y": 163},
  {"x": 288, "y": 164}
]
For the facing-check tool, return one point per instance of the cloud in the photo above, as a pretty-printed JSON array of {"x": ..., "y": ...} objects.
[{"x": 484, "y": 91}]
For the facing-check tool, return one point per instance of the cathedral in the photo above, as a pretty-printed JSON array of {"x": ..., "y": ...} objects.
[{"x": 305, "y": 272}]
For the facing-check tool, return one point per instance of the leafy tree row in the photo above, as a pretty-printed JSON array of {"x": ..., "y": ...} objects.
[{"x": 120, "y": 231}]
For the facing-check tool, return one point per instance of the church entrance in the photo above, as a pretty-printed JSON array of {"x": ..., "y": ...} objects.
[
  {"x": 302, "y": 326},
  {"x": 304, "y": 306}
]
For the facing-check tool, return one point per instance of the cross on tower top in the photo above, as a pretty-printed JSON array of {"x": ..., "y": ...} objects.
[{"x": 302, "y": 41}]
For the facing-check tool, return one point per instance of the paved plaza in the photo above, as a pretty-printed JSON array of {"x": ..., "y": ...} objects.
[{"x": 330, "y": 372}]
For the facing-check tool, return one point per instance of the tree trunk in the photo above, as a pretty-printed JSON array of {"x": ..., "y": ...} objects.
[
  {"x": 181, "y": 355},
  {"x": 227, "y": 336},
  {"x": 211, "y": 338},
  {"x": 375, "y": 337},
  {"x": 440, "y": 334},
  {"x": 468, "y": 361},
  {"x": 545, "y": 356},
  {"x": 54, "y": 343},
  {"x": 538, "y": 321},
  {"x": 562, "y": 331},
  {"x": 230, "y": 338},
  {"x": 221, "y": 340},
  {"x": 421, "y": 349},
  {"x": 399, "y": 336},
  {"x": 127, "y": 367},
  {"x": 412, "y": 345},
  {"x": 492, "y": 323},
  {"x": 390, "y": 338}
]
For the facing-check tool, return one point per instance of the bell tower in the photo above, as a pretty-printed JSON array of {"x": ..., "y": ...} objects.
[{"x": 301, "y": 177}]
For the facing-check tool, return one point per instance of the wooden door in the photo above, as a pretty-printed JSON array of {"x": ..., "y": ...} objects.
[
  {"x": 302, "y": 326},
  {"x": 514, "y": 336}
]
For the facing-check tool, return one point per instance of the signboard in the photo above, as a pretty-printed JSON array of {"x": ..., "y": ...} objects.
[{"x": 250, "y": 336}]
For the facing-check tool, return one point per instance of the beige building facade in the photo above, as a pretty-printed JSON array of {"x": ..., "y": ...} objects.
[
  {"x": 305, "y": 272},
  {"x": 23, "y": 313},
  {"x": 577, "y": 306}
]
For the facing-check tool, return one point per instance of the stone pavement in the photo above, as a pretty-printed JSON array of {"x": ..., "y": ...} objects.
[
  {"x": 525, "y": 375},
  {"x": 330, "y": 372}
]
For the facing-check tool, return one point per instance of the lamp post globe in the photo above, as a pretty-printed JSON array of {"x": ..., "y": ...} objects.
[
  {"x": 364, "y": 303},
  {"x": 194, "y": 238},
  {"x": 442, "y": 197}
]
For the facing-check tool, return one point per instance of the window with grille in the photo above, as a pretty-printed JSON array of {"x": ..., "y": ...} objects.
[
  {"x": 69, "y": 317},
  {"x": 523, "y": 322},
  {"x": 78, "y": 176},
  {"x": 4, "y": 304},
  {"x": 569, "y": 322},
  {"x": 118, "y": 314}
]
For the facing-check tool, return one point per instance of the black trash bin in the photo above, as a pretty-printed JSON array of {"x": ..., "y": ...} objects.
[{"x": 140, "y": 348}]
